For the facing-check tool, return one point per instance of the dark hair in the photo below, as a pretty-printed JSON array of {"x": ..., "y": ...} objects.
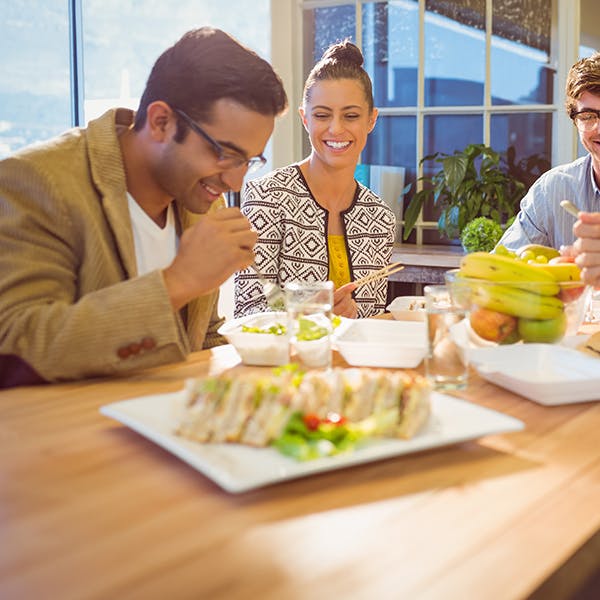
[
  {"x": 584, "y": 76},
  {"x": 343, "y": 60},
  {"x": 206, "y": 65}
]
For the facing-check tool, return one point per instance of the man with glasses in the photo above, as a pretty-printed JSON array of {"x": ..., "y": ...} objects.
[
  {"x": 110, "y": 257},
  {"x": 541, "y": 219}
]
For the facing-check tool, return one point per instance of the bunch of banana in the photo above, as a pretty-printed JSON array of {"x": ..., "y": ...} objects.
[
  {"x": 561, "y": 271},
  {"x": 524, "y": 295},
  {"x": 495, "y": 267},
  {"x": 516, "y": 302}
]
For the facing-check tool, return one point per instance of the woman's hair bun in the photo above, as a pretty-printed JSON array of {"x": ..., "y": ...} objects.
[{"x": 344, "y": 51}]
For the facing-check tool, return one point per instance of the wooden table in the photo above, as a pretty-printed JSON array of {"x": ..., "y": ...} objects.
[{"x": 90, "y": 509}]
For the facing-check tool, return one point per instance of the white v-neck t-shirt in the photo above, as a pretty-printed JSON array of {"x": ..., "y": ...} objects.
[{"x": 155, "y": 247}]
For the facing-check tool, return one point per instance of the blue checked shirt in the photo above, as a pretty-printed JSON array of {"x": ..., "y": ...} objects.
[{"x": 541, "y": 219}]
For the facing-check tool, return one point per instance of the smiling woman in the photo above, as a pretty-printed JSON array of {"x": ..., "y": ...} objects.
[{"x": 315, "y": 221}]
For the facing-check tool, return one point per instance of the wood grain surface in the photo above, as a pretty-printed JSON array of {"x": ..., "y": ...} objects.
[{"x": 90, "y": 509}]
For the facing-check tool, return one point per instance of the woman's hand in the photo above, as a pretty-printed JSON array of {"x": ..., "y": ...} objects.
[{"x": 343, "y": 303}]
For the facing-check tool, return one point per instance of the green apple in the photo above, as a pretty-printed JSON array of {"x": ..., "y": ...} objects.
[{"x": 545, "y": 331}]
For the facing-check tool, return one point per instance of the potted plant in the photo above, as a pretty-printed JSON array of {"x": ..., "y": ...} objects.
[
  {"x": 469, "y": 183},
  {"x": 480, "y": 235}
]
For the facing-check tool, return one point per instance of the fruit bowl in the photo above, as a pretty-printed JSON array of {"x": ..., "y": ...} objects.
[{"x": 509, "y": 303}]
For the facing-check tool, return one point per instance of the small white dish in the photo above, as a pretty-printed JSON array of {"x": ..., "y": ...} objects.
[
  {"x": 238, "y": 468},
  {"x": 383, "y": 343},
  {"x": 260, "y": 349},
  {"x": 408, "y": 308},
  {"x": 549, "y": 374}
]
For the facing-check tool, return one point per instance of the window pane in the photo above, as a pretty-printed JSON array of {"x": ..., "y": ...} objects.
[
  {"x": 526, "y": 139},
  {"x": 34, "y": 74},
  {"x": 448, "y": 133},
  {"x": 325, "y": 26},
  {"x": 520, "y": 54},
  {"x": 391, "y": 51},
  {"x": 123, "y": 38},
  {"x": 393, "y": 142},
  {"x": 454, "y": 52}
]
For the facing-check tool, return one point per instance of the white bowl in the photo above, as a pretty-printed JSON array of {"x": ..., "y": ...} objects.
[
  {"x": 408, "y": 308},
  {"x": 383, "y": 343},
  {"x": 261, "y": 349}
]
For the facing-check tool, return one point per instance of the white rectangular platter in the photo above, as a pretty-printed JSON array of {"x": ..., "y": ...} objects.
[
  {"x": 238, "y": 468},
  {"x": 545, "y": 373}
]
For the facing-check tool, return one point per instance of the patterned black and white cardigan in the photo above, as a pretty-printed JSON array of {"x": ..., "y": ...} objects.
[{"x": 292, "y": 239}]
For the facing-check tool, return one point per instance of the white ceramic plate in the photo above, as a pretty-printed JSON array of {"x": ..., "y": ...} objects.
[
  {"x": 238, "y": 468},
  {"x": 546, "y": 373},
  {"x": 382, "y": 343}
]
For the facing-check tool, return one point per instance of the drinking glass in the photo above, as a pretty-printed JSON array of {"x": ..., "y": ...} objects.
[
  {"x": 446, "y": 363},
  {"x": 309, "y": 308}
]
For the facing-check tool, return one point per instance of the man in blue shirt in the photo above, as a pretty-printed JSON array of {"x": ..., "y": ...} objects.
[{"x": 541, "y": 220}]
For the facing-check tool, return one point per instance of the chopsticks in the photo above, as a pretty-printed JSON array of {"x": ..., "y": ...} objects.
[{"x": 385, "y": 272}]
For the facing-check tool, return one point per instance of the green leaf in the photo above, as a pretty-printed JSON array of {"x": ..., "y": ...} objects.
[
  {"x": 455, "y": 168},
  {"x": 411, "y": 214}
]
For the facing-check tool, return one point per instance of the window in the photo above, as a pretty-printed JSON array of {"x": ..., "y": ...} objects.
[
  {"x": 116, "y": 43},
  {"x": 34, "y": 73},
  {"x": 447, "y": 74}
]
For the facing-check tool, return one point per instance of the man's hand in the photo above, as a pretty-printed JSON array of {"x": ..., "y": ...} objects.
[
  {"x": 214, "y": 248},
  {"x": 343, "y": 303},
  {"x": 587, "y": 247}
]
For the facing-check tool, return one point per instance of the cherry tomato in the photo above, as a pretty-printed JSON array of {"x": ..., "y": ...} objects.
[{"x": 312, "y": 421}]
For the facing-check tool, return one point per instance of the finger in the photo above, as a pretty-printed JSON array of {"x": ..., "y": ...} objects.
[
  {"x": 346, "y": 307},
  {"x": 581, "y": 229},
  {"x": 587, "y": 245},
  {"x": 567, "y": 251},
  {"x": 588, "y": 259},
  {"x": 348, "y": 286},
  {"x": 589, "y": 217},
  {"x": 225, "y": 214},
  {"x": 343, "y": 308},
  {"x": 344, "y": 291},
  {"x": 244, "y": 239},
  {"x": 591, "y": 275}
]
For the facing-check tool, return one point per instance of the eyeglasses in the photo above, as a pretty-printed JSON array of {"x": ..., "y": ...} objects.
[
  {"x": 227, "y": 160},
  {"x": 586, "y": 119}
]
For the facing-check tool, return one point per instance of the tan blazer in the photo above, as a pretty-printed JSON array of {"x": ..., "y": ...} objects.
[{"x": 71, "y": 303}]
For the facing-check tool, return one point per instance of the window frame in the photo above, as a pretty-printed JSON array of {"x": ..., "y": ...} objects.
[{"x": 563, "y": 53}]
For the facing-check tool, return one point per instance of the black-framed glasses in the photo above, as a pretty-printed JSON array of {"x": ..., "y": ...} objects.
[
  {"x": 586, "y": 119},
  {"x": 228, "y": 160}
]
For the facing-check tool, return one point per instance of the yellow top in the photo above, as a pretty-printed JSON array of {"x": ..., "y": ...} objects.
[{"x": 339, "y": 269}]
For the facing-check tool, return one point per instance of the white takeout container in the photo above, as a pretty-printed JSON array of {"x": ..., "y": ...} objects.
[
  {"x": 549, "y": 374},
  {"x": 408, "y": 308},
  {"x": 260, "y": 349},
  {"x": 383, "y": 343}
]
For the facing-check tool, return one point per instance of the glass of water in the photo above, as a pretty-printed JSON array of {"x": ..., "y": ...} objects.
[
  {"x": 446, "y": 363},
  {"x": 309, "y": 307}
]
